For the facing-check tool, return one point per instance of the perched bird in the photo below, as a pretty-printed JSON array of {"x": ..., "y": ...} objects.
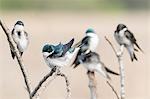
[
  {"x": 88, "y": 43},
  {"x": 20, "y": 37},
  {"x": 91, "y": 61},
  {"x": 60, "y": 55},
  {"x": 124, "y": 37}
]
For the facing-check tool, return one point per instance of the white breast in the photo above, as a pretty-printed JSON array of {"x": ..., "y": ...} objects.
[
  {"x": 21, "y": 41},
  {"x": 120, "y": 37},
  {"x": 22, "y": 45},
  {"x": 94, "y": 41},
  {"x": 62, "y": 61}
]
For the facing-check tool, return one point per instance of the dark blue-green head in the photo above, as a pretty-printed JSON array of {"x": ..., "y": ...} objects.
[
  {"x": 120, "y": 27},
  {"x": 48, "y": 48},
  {"x": 90, "y": 30}
]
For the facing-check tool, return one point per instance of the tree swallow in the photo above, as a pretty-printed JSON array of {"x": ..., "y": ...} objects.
[
  {"x": 91, "y": 61},
  {"x": 20, "y": 37},
  {"x": 88, "y": 43},
  {"x": 59, "y": 55},
  {"x": 124, "y": 37}
]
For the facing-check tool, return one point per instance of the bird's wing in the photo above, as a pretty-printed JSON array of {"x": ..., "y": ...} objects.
[
  {"x": 58, "y": 50},
  {"x": 26, "y": 34},
  {"x": 131, "y": 37},
  {"x": 67, "y": 46},
  {"x": 107, "y": 69},
  {"x": 83, "y": 48},
  {"x": 76, "y": 62},
  {"x": 85, "y": 58},
  {"x": 84, "y": 41}
]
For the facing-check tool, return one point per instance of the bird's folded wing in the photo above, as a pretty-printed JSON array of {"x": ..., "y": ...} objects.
[{"x": 67, "y": 46}]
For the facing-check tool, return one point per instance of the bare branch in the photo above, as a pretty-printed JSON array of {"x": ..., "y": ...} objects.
[
  {"x": 92, "y": 84},
  {"x": 42, "y": 81},
  {"x": 16, "y": 52},
  {"x": 111, "y": 45},
  {"x": 67, "y": 83},
  {"x": 119, "y": 55},
  {"x": 43, "y": 87},
  {"x": 113, "y": 89}
]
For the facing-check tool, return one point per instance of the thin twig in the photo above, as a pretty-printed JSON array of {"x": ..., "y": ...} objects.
[
  {"x": 43, "y": 88},
  {"x": 121, "y": 68},
  {"x": 111, "y": 45},
  {"x": 92, "y": 84},
  {"x": 16, "y": 52},
  {"x": 113, "y": 90},
  {"x": 67, "y": 84},
  {"x": 42, "y": 81}
]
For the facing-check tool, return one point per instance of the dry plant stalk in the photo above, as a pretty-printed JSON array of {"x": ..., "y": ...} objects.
[
  {"x": 92, "y": 84},
  {"x": 67, "y": 83},
  {"x": 113, "y": 89},
  {"x": 42, "y": 81},
  {"x": 44, "y": 86},
  {"x": 119, "y": 55}
]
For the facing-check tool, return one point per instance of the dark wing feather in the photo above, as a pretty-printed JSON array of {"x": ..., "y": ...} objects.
[
  {"x": 12, "y": 54},
  {"x": 21, "y": 53},
  {"x": 138, "y": 47},
  {"x": 77, "y": 60},
  {"x": 110, "y": 71},
  {"x": 131, "y": 37},
  {"x": 84, "y": 43},
  {"x": 67, "y": 46}
]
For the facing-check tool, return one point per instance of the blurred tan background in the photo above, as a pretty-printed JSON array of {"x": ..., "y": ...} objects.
[{"x": 49, "y": 21}]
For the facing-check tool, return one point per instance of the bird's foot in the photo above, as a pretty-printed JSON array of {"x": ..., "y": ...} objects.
[{"x": 120, "y": 53}]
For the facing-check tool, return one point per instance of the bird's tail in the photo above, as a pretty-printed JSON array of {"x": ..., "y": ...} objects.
[
  {"x": 12, "y": 54},
  {"x": 133, "y": 56},
  {"x": 21, "y": 53},
  {"x": 131, "y": 52},
  {"x": 110, "y": 71}
]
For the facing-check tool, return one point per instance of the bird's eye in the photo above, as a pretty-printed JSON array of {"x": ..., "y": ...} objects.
[{"x": 19, "y": 33}]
